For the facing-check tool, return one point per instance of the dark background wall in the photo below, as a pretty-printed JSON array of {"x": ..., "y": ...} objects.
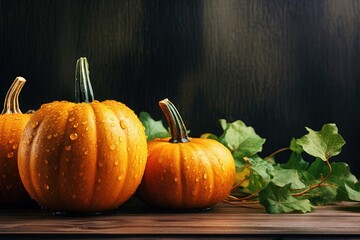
[{"x": 277, "y": 65}]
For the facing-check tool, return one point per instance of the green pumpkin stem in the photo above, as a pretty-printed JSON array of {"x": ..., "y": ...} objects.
[
  {"x": 11, "y": 103},
  {"x": 83, "y": 89},
  {"x": 177, "y": 126}
]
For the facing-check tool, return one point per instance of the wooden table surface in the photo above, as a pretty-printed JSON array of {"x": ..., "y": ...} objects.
[{"x": 225, "y": 221}]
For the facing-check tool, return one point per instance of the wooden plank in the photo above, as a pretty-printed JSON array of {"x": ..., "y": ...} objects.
[{"x": 341, "y": 219}]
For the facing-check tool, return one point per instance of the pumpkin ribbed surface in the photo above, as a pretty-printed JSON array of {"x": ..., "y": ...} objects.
[
  {"x": 82, "y": 157},
  {"x": 11, "y": 188},
  {"x": 192, "y": 175}
]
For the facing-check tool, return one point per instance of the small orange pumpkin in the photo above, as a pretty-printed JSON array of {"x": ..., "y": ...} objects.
[
  {"x": 82, "y": 157},
  {"x": 183, "y": 172},
  {"x": 12, "y": 124}
]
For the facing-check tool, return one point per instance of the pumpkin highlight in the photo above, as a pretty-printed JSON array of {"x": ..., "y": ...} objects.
[{"x": 185, "y": 173}]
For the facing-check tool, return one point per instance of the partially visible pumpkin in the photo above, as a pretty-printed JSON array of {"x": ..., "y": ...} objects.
[
  {"x": 12, "y": 124},
  {"x": 183, "y": 172},
  {"x": 82, "y": 157}
]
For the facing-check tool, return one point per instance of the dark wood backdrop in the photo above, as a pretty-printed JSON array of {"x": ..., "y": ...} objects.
[{"x": 277, "y": 65}]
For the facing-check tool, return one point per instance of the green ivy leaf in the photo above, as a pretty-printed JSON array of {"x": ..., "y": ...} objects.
[
  {"x": 340, "y": 173},
  {"x": 346, "y": 190},
  {"x": 240, "y": 139},
  {"x": 209, "y": 136},
  {"x": 295, "y": 147},
  {"x": 283, "y": 177},
  {"x": 339, "y": 176},
  {"x": 323, "y": 144},
  {"x": 277, "y": 199},
  {"x": 352, "y": 193},
  {"x": 260, "y": 174},
  {"x": 153, "y": 129},
  {"x": 317, "y": 168},
  {"x": 295, "y": 162}
]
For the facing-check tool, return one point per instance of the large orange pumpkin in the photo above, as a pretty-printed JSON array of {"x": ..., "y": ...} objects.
[
  {"x": 82, "y": 157},
  {"x": 183, "y": 172},
  {"x": 12, "y": 123}
]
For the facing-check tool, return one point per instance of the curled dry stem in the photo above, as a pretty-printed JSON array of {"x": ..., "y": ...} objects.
[
  {"x": 321, "y": 183},
  {"x": 240, "y": 203},
  {"x": 276, "y": 152},
  {"x": 233, "y": 200}
]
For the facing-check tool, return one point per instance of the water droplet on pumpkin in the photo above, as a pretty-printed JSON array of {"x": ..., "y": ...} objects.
[
  {"x": 28, "y": 142},
  {"x": 221, "y": 161},
  {"x": 71, "y": 119},
  {"x": 112, "y": 147},
  {"x": 121, "y": 139},
  {"x": 176, "y": 179},
  {"x": 17, "y": 118},
  {"x": 73, "y": 136},
  {"x": 81, "y": 173},
  {"x": 39, "y": 174},
  {"x": 120, "y": 177},
  {"x": 56, "y": 167},
  {"x": 101, "y": 164},
  {"x": 34, "y": 124},
  {"x": 10, "y": 154},
  {"x": 46, "y": 162},
  {"x": 62, "y": 173},
  {"x": 136, "y": 175},
  {"x": 205, "y": 176},
  {"x": 87, "y": 128},
  {"x": 15, "y": 146},
  {"x": 67, "y": 159},
  {"x": 11, "y": 141},
  {"x": 46, "y": 187},
  {"x": 49, "y": 136},
  {"x": 86, "y": 152},
  {"x": 112, "y": 124},
  {"x": 223, "y": 167},
  {"x": 197, "y": 179},
  {"x": 84, "y": 123},
  {"x": 122, "y": 124},
  {"x": 68, "y": 148},
  {"x": 99, "y": 180},
  {"x": 47, "y": 150},
  {"x": 116, "y": 163}
]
